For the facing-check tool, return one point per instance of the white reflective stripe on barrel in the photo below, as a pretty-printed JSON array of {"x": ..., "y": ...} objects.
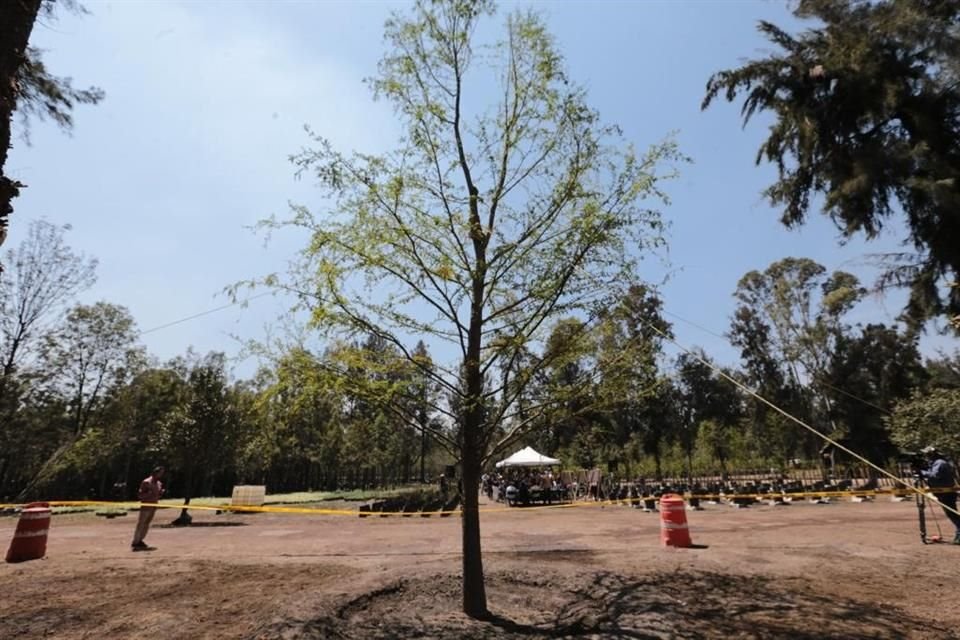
[
  {"x": 30, "y": 534},
  {"x": 35, "y": 515},
  {"x": 670, "y": 525}
]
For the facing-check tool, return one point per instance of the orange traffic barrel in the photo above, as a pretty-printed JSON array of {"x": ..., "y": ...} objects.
[
  {"x": 673, "y": 522},
  {"x": 30, "y": 539}
]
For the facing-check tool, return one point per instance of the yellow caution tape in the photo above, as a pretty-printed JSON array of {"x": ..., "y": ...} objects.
[
  {"x": 566, "y": 505},
  {"x": 189, "y": 507}
]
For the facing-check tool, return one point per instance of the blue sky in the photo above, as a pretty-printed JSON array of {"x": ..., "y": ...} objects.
[{"x": 205, "y": 101}]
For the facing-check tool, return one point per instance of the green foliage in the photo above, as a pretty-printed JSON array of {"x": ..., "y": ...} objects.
[
  {"x": 865, "y": 106},
  {"x": 869, "y": 374},
  {"x": 710, "y": 409},
  {"x": 597, "y": 383},
  {"x": 42, "y": 276},
  {"x": 802, "y": 356},
  {"x": 803, "y": 307},
  {"x": 297, "y": 414},
  {"x": 718, "y": 441},
  {"x": 90, "y": 355},
  {"x": 944, "y": 371},
  {"x": 789, "y": 321},
  {"x": 928, "y": 418},
  {"x": 92, "y": 352},
  {"x": 196, "y": 436},
  {"x": 351, "y": 414}
]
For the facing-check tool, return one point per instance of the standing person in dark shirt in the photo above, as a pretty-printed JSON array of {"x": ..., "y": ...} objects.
[
  {"x": 444, "y": 487},
  {"x": 150, "y": 491},
  {"x": 940, "y": 478}
]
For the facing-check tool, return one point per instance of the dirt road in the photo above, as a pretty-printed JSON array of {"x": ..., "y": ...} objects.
[{"x": 842, "y": 570}]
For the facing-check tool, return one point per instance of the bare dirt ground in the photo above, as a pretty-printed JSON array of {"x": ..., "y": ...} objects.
[{"x": 802, "y": 571}]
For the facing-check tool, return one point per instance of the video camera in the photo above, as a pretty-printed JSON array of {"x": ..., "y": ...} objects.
[{"x": 914, "y": 459}]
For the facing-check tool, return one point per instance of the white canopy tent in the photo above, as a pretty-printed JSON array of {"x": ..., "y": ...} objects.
[{"x": 527, "y": 457}]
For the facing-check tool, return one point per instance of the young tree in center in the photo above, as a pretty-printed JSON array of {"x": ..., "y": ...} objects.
[{"x": 506, "y": 204}]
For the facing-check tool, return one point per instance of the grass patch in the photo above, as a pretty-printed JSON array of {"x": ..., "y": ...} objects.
[
  {"x": 299, "y": 497},
  {"x": 357, "y": 495}
]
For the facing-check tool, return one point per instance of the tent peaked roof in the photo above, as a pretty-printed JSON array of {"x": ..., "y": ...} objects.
[{"x": 527, "y": 457}]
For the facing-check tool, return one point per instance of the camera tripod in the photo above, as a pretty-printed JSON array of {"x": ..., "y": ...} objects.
[{"x": 921, "y": 500}]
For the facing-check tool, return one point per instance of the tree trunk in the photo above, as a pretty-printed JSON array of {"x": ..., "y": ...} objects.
[
  {"x": 104, "y": 474},
  {"x": 11, "y": 353},
  {"x": 184, "y": 519},
  {"x": 423, "y": 456},
  {"x": 16, "y": 23},
  {"x": 474, "y": 590},
  {"x": 3, "y": 477}
]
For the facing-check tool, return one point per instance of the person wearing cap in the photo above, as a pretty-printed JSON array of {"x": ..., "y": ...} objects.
[
  {"x": 939, "y": 475},
  {"x": 443, "y": 486},
  {"x": 150, "y": 491}
]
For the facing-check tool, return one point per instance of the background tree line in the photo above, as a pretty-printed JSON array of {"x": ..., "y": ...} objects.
[{"x": 85, "y": 410}]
